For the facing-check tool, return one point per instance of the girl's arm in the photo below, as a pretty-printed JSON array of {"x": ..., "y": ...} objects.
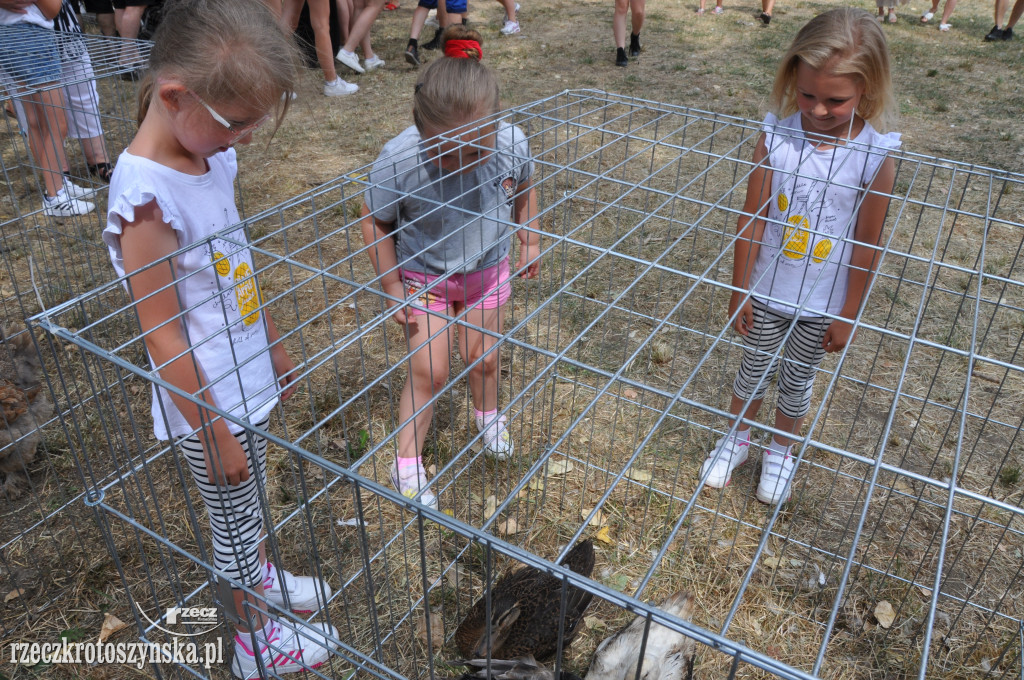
[
  {"x": 49, "y": 8},
  {"x": 147, "y": 240},
  {"x": 749, "y": 234},
  {"x": 284, "y": 367},
  {"x": 865, "y": 256},
  {"x": 526, "y": 215},
  {"x": 377, "y": 235}
]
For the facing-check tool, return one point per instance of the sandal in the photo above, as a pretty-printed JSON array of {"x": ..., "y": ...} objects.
[
  {"x": 102, "y": 170},
  {"x": 700, "y": 11},
  {"x": 926, "y": 17},
  {"x": 765, "y": 18},
  {"x": 945, "y": 27},
  {"x": 892, "y": 17},
  {"x": 391, "y": 6}
]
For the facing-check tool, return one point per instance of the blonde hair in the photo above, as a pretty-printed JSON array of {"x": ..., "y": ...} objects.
[
  {"x": 223, "y": 50},
  {"x": 843, "y": 42},
  {"x": 452, "y": 90}
]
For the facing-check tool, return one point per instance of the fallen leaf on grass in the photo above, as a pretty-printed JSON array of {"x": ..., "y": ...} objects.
[
  {"x": 599, "y": 519},
  {"x": 509, "y": 527},
  {"x": 436, "y": 630},
  {"x": 642, "y": 476},
  {"x": 353, "y": 522},
  {"x": 885, "y": 614},
  {"x": 111, "y": 624},
  {"x": 490, "y": 505},
  {"x": 629, "y": 394},
  {"x": 771, "y": 562},
  {"x": 594, "y": 623},
  {"x": 605, "y": 536},
  {"x": 17, "y": 592},
  {"x": 536, "y": 484},
  {"x": 556, "y": 468}
]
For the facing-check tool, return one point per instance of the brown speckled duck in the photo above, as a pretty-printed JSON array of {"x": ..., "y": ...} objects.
[{"x": 526, "y": 607}]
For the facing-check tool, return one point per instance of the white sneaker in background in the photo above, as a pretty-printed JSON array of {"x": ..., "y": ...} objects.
[
  {"x": 776, "y": 477},
  {"x": 283, "y": 650},
  {"x": 349, "y": 59},
  {"x": 63, "y": 205},
  {"x": 510, "y": 28},
  {"x": 339, "y": 88},
  {"x": 729, "y": 453}
]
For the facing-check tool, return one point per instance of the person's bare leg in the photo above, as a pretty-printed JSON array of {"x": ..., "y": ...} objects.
[
  {"x": 320, "y": 21},
  {"x": 1015, "y": 13},
  {"x": 106, "y": 23},
  {"x": 47, "y": 127},
  {"x": 345, "y": 17},
  {"x": 619, "y": 23},
  {"x": 363, "y": 21},
  {"x": 947, "y": 10},
  {"x": 128, "y": 27},
  {"x": 419, "y": 18},
  {"x": 1000, "y": 10},
  {"x": 637, "y": 8}
]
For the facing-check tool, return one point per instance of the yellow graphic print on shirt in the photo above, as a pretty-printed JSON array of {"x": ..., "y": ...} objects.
[
  {"x": 221, "y": 263},
  {"x": 247, "y": 294},
  {"x": 796, "y": 238},
  {"x": 783, "y": 202},
  {"x": 821, "y": 251}
]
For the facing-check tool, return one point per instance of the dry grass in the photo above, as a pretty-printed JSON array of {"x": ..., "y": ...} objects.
[{"x": 957, "y": 96}]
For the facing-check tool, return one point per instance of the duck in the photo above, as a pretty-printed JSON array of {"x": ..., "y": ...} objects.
[
  {"x": 668, "y": 655},
  {"x": 520, "y": 668},
  {"x": 526, "y": 612}
]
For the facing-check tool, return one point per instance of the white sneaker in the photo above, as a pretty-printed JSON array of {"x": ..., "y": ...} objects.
[
  {"x": 412, "y": 480},
  {"x": 301, "y": 594},
  {"x": 75, "y": 191},
  {"x": 729, "y": 453},
  {"x": 373, "y": 63},
  {"x": 63, "y": 205},
  {"x": 508, "y": 18},
  {"x": 349, "y": 59},
  {"x": 339, "y": 88},
  {"x": 496, "y": 441},
  {"x": 776, "y": 477},
  {"x": 510, "y": 28},
  {"x": 431, "y": 18},
  {"x": 285, "y": 650}
]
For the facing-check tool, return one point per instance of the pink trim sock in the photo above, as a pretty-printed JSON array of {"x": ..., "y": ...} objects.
[
  {"x": 485, "y": 416},
  {"x": 408, "y": 462}
]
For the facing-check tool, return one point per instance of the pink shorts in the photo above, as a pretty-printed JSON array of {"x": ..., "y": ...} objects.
[{"x": 489, "y": 287}]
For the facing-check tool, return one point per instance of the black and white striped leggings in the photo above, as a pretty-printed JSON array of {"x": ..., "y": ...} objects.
[
  {"x": 803, "y": 353},
  {"x": 234, "y": 511}
]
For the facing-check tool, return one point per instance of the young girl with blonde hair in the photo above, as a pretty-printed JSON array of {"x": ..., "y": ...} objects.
[
  {"x": 443, "y": 197},
  {"x": 806, "y": 248},
  {"x": 217, "y": 72}
]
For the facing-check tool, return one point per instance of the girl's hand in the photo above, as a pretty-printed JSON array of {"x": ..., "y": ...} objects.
[
  {"x": 839, "y": 335},
  {"x": 745, "y": 319},
  {"x": 529, "y": 253},
  {"x": 400, "y": 315},
  {"x": 284, "y": 369},
  {"x": 227, "y": 464}
]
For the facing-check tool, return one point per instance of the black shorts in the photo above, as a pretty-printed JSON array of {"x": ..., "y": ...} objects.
[
  {"x": 99, "y": 6},
  {"x": 121, "y": 4}
]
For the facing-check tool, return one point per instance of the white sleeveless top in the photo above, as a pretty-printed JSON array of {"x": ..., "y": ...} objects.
[{"x": 816, "y": 196}]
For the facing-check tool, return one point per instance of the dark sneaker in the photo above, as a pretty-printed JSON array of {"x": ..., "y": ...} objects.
[
  {"x": 435, "y": 42},
  {"x": 766, "y": 18},
  {"x": 412, "y": 55},
  {"x": 634, "y": 46},
  {"x": 1007, "y": 34},
  {"x": 620, "y": 57},
  {"x": 995, "y": 34}
]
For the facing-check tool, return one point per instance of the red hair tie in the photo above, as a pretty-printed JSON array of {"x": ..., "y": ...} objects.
[{"x": 462, "y": 49}]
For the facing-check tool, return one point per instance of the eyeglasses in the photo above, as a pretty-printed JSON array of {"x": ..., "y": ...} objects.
[{"x": 237, "y": 131}]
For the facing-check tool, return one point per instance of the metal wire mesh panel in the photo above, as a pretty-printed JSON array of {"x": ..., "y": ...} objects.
[
  {"x": 898, "y": 554},
  {"x": 47, "y": 260}
]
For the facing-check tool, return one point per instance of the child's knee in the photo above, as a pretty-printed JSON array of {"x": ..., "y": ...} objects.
[{"x": 487, "y": 363}]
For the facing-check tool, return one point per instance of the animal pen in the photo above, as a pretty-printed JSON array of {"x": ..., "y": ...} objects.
[
  {"x": 898, "y": 555},
  {"x": 47, "y": 261}
]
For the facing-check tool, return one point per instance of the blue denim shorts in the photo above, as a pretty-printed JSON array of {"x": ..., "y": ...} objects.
[
  {"x": 453, "y": 6},
  {"x": 29, "y": 54}
]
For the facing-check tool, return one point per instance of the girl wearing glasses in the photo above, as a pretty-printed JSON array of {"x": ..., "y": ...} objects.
[{"x": 218, "y": 70}]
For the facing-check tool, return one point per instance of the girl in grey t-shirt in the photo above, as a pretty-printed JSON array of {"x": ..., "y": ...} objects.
[{"x": 445, "y": 195}]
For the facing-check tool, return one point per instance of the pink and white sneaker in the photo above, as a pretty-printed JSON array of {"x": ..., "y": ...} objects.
[
  {"x": 729, "y": 453},
  {"x": 283, "y": 649},
  {"x": 300, "y": 594}
]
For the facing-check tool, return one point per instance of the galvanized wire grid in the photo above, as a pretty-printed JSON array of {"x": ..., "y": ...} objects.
[
  {"x": 617, "y": 365},
  {"x": 44, "y": 550}
]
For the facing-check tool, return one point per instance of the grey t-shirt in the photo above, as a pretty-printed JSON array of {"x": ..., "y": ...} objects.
[{"x": 448, "y": 223}]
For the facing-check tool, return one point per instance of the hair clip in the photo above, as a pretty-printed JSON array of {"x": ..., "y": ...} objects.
[{"x": 416, "y": 89}]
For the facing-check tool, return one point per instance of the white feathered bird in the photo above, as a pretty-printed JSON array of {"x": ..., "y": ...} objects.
[{"x": 667, "y": 656}]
